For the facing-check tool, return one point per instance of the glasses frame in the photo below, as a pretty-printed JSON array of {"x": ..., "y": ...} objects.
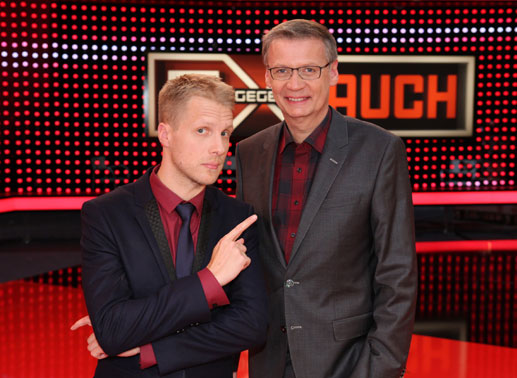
[{"x": 297, "y": 70}]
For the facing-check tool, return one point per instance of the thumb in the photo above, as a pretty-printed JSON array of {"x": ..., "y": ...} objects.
[{"x": 81, "y": 322}]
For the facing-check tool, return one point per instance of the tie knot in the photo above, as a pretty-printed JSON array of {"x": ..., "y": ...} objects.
[{"x": 185, "y": 211}]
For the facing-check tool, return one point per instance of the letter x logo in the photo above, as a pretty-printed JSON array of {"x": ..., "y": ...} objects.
[{"x": 165, "y": 66}]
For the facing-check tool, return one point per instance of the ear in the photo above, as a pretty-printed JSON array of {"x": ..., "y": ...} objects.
[
  {"x": 334, "y": 74},
  {"x": 164, "y": 131},
  {"x": 268, "y": 79}
]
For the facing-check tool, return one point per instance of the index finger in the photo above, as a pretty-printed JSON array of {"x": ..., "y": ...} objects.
[{"x": 241, "y": 227}]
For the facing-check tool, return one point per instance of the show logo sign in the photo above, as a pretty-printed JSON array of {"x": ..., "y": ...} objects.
[{"x": 412, "y": 96}]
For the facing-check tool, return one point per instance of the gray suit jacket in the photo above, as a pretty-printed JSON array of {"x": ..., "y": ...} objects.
[{"x": 344, "y": 305}]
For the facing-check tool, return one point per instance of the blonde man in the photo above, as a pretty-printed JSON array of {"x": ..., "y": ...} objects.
[{"x": 171, "y": 286}]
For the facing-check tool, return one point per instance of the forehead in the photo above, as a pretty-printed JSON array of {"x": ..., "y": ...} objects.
[
  {"x": 293, "y": 52},
  {"x": 204, "y": 109}
]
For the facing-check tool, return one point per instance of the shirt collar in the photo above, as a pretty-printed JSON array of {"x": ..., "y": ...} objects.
[
  {"x": 167, "y": 199},
  {"x": 316, "y": 139}
]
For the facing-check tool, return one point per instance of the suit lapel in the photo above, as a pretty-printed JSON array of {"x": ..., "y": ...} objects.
[
  {"x": 331, "y": 162},
  {"x": 153, "y": 217},
  {"x": 148, "y": 217},
  {"x": 267, "y": 169}
]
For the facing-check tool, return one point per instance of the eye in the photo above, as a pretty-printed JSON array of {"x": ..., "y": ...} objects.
[
  {"x": 281, "y": 70},
  {"x": 201, "y": 130},
  {"x": 309, "y": 69},
  {"x": 226, "y": 133}
]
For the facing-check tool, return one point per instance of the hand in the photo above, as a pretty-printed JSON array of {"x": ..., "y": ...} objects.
[
  {"x": 229, "y": 255},
  {"x": 94, "y": 347},
  {"x": 81, "y": 322},
  {"x": 97, "y": 352}
]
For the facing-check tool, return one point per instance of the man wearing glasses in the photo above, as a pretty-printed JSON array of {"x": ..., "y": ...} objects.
[{"x": 336, "y": 221}]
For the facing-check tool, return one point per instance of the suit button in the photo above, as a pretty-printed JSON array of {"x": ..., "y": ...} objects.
[
  {"x": 290, "y": 283},
  {"x": 283, "y": 329}
]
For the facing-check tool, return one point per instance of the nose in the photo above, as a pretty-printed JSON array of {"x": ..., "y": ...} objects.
[
  {"x": 219, "y": 145},
  {"x": 295, "y": 81}
]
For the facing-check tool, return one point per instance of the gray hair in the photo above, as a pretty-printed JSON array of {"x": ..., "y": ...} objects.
[{"x": 300, "y": 29}]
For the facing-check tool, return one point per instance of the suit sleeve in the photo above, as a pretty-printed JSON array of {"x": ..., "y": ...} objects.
[
  {"x": 121, "y": 321},
  {"x": 239, "y": 189},
  {"x": 233, "y": 328},
  {"x": 215, "y": 296},
  {"x": 395, "y": 277}
]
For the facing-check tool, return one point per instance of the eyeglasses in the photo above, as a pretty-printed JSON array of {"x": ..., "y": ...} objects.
[{"x": 305, "y": 72}]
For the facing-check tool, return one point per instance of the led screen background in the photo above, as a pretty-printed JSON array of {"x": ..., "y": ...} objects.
[{"x": 72, "y": 83}]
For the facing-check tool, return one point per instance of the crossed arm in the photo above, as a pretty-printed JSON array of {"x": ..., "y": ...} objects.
[
  {"x": 176, "y": 315},
  {"x": 93, "y": 345}
]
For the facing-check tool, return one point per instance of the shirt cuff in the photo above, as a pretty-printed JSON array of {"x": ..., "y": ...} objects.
[
  {"x": 147, "y": 357},
  {"x": 214, "y": 293}
]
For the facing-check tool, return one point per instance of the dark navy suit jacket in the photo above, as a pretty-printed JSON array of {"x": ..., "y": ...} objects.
[{"x": 134, "y": 298}]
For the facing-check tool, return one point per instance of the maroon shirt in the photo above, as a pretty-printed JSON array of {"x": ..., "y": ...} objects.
[
  {"x": 294, "y": 171},
  {"x": 167, "y": 202}
]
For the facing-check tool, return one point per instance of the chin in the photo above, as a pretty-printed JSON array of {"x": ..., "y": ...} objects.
[
  {"x": 208, "y": 180},
  {"x": 296, "y": 109}
]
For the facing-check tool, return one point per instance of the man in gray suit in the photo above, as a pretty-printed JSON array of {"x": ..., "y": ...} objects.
[{"x": 337, "y": 231}]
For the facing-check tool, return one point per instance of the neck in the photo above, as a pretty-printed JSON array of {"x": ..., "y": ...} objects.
[
  {"x": 184, "y": 189},
  {"x": 301, "y": 128}
]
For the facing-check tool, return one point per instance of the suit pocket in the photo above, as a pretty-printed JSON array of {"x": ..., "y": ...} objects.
[
  {"x": 353, "y": 327},
  {"x": 341, "y": 200}
]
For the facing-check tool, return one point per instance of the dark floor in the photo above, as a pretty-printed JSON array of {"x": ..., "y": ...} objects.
[{"x": 36, "y": 242}]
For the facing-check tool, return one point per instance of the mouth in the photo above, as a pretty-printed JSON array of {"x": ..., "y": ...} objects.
[
  {"x": 297, "y": 99},
  {"x": 213, "y": 166}
]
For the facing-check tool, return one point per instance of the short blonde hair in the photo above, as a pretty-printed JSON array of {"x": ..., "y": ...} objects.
[
  {"x": 300, "y": 29},
  {"x": 176, "y": 92}
]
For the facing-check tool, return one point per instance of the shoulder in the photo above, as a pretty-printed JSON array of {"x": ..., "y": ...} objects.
[
  {"x": 358, "y": 126},
  {"x": 359, "y": 131},
  {"x": 258, "y": 139},
  {"x": 226, "y": 203},
  {"x": 121, "y": 197}
]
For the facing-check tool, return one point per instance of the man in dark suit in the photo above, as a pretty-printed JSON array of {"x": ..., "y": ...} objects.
[
  {"x": 168, "y": 311},
  {"x": 336, "y": 223}
]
